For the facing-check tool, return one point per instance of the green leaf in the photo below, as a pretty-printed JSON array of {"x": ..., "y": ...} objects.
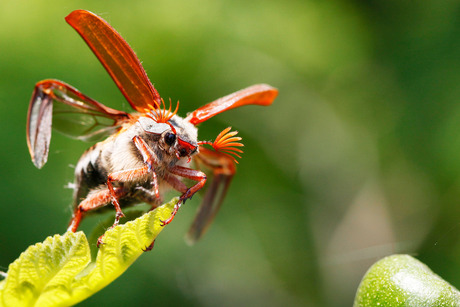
[
  {"x": 401, "y": 280},
  {"x": 59, "y": 271}
]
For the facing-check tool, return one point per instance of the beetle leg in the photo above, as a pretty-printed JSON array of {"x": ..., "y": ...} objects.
[
  {"x": 150, "y": 247},
  {"x": 150, "y": 159},
  {"x": 176, "y": 183},
  {"x": 148, "y": 196},
  {"x": 189, "y": 174},
  {"x": 186, "y": 192},
  {"x": 92, "y": 201},
  {"x": 179, "y": 186}
]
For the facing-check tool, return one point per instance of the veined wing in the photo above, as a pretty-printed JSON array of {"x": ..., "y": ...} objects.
[
  {"x": 57, "y": 104},
  {"x": 118, "y": 58}
]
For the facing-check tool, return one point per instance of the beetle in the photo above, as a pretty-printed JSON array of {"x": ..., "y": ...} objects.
[{"x": 144, "y": 153}]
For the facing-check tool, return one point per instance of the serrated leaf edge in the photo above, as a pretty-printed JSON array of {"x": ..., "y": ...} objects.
[{"x": 130, "y": 236}]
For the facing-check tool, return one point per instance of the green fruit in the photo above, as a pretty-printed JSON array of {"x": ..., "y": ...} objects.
[{"x": 401, "y": 280}]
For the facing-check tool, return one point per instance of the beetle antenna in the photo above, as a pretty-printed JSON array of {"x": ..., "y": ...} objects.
[
  {"x": 161, "y": 115},
  {"x": 226, "y": 142}
]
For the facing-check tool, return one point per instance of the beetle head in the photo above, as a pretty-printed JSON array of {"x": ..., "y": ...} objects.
[{"x": 177, "y": 136}]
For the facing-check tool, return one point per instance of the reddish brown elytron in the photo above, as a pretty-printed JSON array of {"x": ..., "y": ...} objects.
[{"x": 144, "y": 153}]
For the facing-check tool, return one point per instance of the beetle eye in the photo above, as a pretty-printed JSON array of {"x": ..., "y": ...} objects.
[{"x": 170, "y": 138}]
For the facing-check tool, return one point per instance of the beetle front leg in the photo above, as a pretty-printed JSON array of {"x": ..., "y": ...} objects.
[
  {"x": 189, "y": 174},
  {"x": 150, "y": 159},
  {"x": 187, "y": 192}
]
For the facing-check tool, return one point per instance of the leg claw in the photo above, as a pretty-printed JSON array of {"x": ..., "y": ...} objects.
[
  {"x": 173, "y": 214},
  {"x": 99, "y": 241},
  {"x": 149, "y": 248},
  {"x": 117, "y": 219}
]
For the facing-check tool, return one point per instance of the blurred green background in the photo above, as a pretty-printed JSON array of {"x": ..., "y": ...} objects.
[{"x": 358, "y": 158}]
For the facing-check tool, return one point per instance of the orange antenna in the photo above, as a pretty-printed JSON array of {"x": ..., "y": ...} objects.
[
  {"x": 161, "y": 115},
  {"x": 226, "y": 142}
]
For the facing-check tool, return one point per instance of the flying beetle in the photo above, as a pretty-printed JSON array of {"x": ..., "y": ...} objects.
[{"x": 145, "y": 153}]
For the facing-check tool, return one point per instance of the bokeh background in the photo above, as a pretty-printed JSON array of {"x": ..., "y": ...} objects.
[{"x": 358, "y": 158}]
